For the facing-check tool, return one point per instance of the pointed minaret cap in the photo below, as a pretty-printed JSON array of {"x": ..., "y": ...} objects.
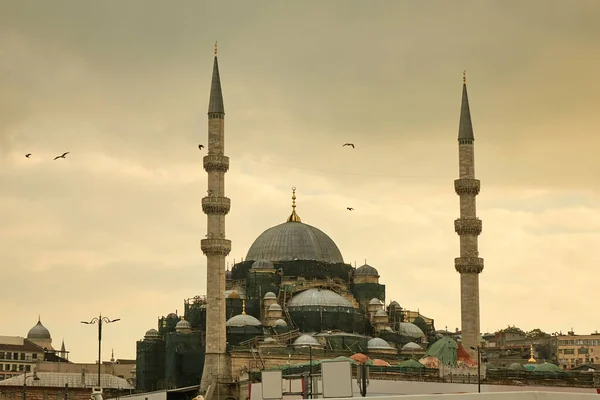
[
  {"x": 294, "y": 217},
  {"x": 465, "y": 128},
  {"x": 62, "y": 346},
  {"x": 215, "y": 104}
]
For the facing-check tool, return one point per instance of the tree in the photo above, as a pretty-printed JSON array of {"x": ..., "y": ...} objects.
[
  {"x": 513, "y": 329},
  {"x": 536, "y": 333}
]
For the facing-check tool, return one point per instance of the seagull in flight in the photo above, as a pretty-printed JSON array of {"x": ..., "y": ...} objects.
[
  {"x": 28, "y": 155},
  {"x": 348, "y": 144},
  {"x": 349, "y": 208},
  {"x": 63, "y": 156},
  {"x": 200, "y": 146}
]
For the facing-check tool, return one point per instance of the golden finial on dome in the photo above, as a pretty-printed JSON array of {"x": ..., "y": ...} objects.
[
  {"x": 216, "y": 49},
  {"x": 243, "y": 307},
  {"x": 531, "y": 358},
  {"x": 464, "y": 73},
  {"x": 294, "y": 217}
]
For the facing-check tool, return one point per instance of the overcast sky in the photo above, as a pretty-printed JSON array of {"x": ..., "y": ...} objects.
[{"x": 123, "y": 85}]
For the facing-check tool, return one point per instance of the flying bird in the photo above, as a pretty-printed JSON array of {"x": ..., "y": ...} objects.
[
  {"x": 28, "y": 155},
  {"x": 63, "y": 156},
  {"x": 348, "y": 144},
  {"x": 200, "y": 146},
  {"x": 350, "y": 208}
]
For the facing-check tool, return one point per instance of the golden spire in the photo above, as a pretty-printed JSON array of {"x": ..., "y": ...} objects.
[
  {"x": 215, "y": 49},
  {"x": 531, "y": 358},
  {"x": 243, "y": 307},
  {"x": 464, "y": 71},
  {"x": 294, "y": 217}
]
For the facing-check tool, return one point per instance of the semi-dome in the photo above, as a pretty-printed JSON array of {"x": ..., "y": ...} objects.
[
  {"x": 366, "y": 270},
  {"x": 172, "y": 316},
  {"x": 381, "y": 313},
  {"x": 269, "y": 295},
  {"x": 378, "y": 344},
  {"x": 411, "y": 330},
  {"x": 394, "y": 304},
  {"x": 242, "y": 320},
  {"x": 39, "y": 331},
  {"x": 411, "y": 346},
  {"x": 274, "y": 307},
  {"x": 262, "y": 264},
  {"x": 306, "y": 340},
  {"x": 319, "y": 297},
  {"x": 152, "y": 334},
  {"x": 375, "y": 301},
  {"x": 280, "y": 322}
]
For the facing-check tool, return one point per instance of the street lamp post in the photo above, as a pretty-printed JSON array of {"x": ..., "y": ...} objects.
[
  {"x": 35, "y": 378},
  {"x": 100, "y": 320},
  {"x": 478, "y": 348}
]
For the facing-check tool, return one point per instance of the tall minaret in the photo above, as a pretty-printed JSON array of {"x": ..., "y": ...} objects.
[
  {"x": 468, "y": 227},
  {"x": 215, "y": 205}
]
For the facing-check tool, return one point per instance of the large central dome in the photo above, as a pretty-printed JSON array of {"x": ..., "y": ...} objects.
[{"x": 294, "y": 240}]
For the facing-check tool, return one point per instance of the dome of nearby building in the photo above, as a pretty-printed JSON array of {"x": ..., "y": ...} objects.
[
  {"x": 152, "y": 334},
  {"x": 394, "y": 304},
  {"x": 375, "y": 301},
  {"x": 366, "y": 270},
  {"x": 274, "y": 307},
  {"x": 242, "y": 320},
  {"x": 39, "y": 331},
  {"x": 381, "y": 313},
  {"x": 318, "y": 297},
  {"x": 294, "y": 241},
  {"x": 269, "y": 295},
  {"x": 183, "y": 324},
  {"x": 378, "y": 344},
  {"x": 172, "y": 316},
  {"x": 280, "y": 322},
  {"x": 306, "y": 340},
  {"x": 411, "y": 346},
  {"x": 262, "y": 264},
  {"x": 411, "y": 330}
]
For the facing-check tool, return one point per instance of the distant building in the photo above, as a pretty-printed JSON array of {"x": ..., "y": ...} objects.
[{"x": 576, "y": 350}]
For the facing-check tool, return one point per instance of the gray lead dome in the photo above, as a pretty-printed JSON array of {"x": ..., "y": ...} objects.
[
  {"x": 294, "y": 241},
  {"x": 319, "y": 297},
  {"x": 39, "y": 331}
]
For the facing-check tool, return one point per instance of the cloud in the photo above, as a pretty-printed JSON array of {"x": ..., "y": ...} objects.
[{"x": 116, "y": 226}]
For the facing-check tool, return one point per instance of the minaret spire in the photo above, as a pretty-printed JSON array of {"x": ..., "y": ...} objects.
[
  {"x": 468, "y": 227},
  {"x": 217, "y": 368}
]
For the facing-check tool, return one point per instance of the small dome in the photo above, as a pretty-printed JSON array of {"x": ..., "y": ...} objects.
[
  {"x": 375, "y": 301},
  {"x": 319, "y": 297},
  {"x": 152, "y": 334},
  {"x": 381, "y": 313},
  {"x": 228, "y": 274},
  {"x": 274, "y": 307},
  {"x": 411, "y": 346},
  {"x": 306, "y": 340},
  {"x": 411, "y": 330},
  {"x": 232, "y": 294},
  {"x": 262, "y": 264},
  {"x": 378, "y": 344},
  {"x": 242, "y": 320},
  {"x": 39, "y": 331},
  {"x": 269, "y": 295},
  {"x": 366, "y": 270},
  {"x": 280, "y": 322},
  {"x": 183, "y": 324},
  {"x": 172, "y": 316},
  {"x": 395, "y": 304}
]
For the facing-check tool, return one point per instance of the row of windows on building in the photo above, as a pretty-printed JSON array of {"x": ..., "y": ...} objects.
[
  {"x": 7, "y": 355},
  {"x": 572, "y": 351},
  {"x": 579, "y": 342},
  {"x": 16, "y": 367}
]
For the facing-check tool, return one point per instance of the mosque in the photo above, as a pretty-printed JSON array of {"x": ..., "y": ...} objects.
[
  {"x": 293, "y": 298},
  {"x": 292, "y": 291}
]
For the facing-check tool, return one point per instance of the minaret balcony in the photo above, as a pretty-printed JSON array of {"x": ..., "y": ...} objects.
[
  {"x": 468, "y": 265},
  {"x": 467, "y": 226},
  {"x": 467, "y": 186},
  {"x": 215, "y": 246},
  {"x": 216, "y": 163},
  {"x": 216, "y": 205}
]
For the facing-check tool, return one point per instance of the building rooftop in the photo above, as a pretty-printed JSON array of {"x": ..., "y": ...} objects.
[{"x": 74, "y": 379}]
